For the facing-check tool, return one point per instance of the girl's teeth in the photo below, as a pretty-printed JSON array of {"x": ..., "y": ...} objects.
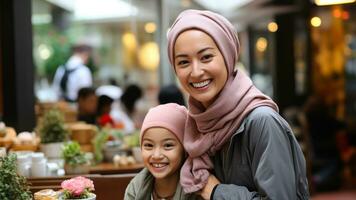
[
  {"x": 158, "y": 165},
  {"x": 201, "y": 84}
]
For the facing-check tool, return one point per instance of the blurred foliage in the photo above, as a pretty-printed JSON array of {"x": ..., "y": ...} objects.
[
  {"x": 91, "y": 65},
  {"x": 12, "y": 185},
  {"x": 99, "y": 142},
  {"x": 117, "y": 134},
  {"x": 60, "y": 47},
  {"x": 59, "y": 44},
  {"x": 73, "y": 155},
  {"x": 132, "y": 140},
  {"x": 52, "y": 127}
]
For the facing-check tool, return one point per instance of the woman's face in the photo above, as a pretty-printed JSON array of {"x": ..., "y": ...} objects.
[
  {"x": 162, "y": 153},
  {"x": 199, "y": 66}
]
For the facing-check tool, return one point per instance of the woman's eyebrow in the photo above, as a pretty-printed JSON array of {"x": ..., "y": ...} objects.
[
  {"x": 204, "y": 49},
  {"x": 199, "y": 52},
  {"x": 181, "y": 55}
]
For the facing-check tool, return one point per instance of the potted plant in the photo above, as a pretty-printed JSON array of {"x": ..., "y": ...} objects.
[
  {"x": 75, "y": 160},
  {"x": 11, "y": 183},
  {"x": 99, "y": 142},
  {"x": 53, "y": 133},
  {"x": 78, "y": 188},
  {"x": 133, "y": 142}
]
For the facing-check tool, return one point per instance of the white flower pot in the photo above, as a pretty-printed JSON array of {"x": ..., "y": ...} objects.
[{"x": 52, "y": 150}]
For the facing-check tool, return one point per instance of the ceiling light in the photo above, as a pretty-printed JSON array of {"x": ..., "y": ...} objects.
[
  {"x": 150, "y": 27},
  {"x": 148, "y": 56},
  {"x": 332, "y": 2},
  {"x": 261, "y": 44},
  {"x": 315, "y": 21},
  {"x": 129, "y": 41},
  {"x": 272, "y": 27}
]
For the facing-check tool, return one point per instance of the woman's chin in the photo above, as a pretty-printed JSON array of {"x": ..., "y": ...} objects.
[{"x": 205, "y": 99}]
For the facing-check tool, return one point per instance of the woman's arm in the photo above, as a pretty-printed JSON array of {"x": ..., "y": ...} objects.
[{"x": 271, "y": 149}]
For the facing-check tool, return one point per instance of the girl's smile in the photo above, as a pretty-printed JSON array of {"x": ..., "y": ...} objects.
[{"x": 162, "y": 152}]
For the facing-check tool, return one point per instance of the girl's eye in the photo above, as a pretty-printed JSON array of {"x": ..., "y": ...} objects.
[
  {"x": 147, "y": 145},
  {"x": 168, "y": 145},
  {"x": 207, "y": 57}
]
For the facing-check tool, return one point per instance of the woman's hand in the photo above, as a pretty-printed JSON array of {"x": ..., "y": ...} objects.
[{"x": 208, "y": 189}]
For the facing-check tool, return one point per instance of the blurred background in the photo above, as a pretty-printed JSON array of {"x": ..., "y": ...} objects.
[{"x": 302, "y": 53}]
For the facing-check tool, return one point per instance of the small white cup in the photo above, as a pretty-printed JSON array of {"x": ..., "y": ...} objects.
[
  {"x": 24, "y": 164},
  {"x": 39, "y": 165}
]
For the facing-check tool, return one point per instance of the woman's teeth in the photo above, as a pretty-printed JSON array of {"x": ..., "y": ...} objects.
[{"x": 201, "y": 84}]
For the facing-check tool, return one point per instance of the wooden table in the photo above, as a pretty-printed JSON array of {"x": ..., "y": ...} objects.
[
  {"x": 107, "y": 187},
  {"x": 110, "y": 168},
  {"x": 110, "y": 181}
]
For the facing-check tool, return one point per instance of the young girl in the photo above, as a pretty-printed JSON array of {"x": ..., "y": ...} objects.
[
  {"x": 163, "y": 155},
  {"x": 239, "y": 147}
]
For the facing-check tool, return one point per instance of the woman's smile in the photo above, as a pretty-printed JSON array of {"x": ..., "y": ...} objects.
[
  {"x": 202, "y": 84},
  {"x": 200, "y": 66}
]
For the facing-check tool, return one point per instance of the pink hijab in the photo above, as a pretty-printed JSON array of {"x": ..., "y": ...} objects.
[
  {"x": 207, "y": 130},
  {"x": 170, "y": 116}
]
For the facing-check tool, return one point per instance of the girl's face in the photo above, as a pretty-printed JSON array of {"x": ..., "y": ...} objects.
[
  {"x": 199, "y": 65},
  {"x": 162, "y": 153}
]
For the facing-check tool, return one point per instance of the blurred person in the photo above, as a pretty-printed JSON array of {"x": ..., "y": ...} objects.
[
  {"x": 129, "y": 98},
  {"x": 74, "y": 74},
  {"x": 171, "y": 94},
  {"x": 87, "y": 104},
  {"x": 113, "y": 81},
  {"x": 163, "y": 154},
  {"x": 120, "y": 119},
  {"x": 239, "y": 146},
  {"x": 326, "y": 133},
  {"x": 103, "y": 111}
]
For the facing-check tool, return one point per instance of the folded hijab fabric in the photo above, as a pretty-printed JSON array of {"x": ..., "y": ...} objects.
[{"x": 208, "y": 129}]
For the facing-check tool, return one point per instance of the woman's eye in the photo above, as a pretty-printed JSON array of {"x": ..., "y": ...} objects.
[
  {"x": 207, "y": 57},
  {"x": 182, "y": 63}
]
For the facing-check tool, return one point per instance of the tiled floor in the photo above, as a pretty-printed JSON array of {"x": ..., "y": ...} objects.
[{"x": 342, "y": 195}]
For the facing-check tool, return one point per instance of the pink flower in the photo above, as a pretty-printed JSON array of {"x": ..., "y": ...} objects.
[
  {"x": 77, "y": 186},
  {"x": 87, "y": 182}
]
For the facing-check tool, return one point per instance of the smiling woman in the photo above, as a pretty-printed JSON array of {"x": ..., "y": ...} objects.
[
  {"x": 239, "y": 147},
  {"x": 199, "y": 66}
]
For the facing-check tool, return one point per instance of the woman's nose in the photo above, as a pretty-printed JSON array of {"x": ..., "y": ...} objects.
[{"x": 196, "y": 69}]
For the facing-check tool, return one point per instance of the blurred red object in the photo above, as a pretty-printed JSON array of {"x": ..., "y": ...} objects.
[{"x": 105, "y": 120}]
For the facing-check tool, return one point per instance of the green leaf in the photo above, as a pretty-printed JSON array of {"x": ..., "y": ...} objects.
[{"x": 12, "y": 184}]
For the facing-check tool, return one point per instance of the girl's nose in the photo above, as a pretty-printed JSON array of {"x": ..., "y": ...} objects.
[{"x": 157, "y": 154}]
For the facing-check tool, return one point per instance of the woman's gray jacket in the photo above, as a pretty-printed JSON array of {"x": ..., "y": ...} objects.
[{"x": 262, "y": 160}]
